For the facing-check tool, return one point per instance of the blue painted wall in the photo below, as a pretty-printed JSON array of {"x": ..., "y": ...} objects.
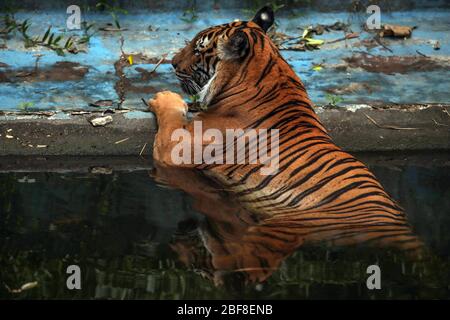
[{"x": 152, "y": 33}]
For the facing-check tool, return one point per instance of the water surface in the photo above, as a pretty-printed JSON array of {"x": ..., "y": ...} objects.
[{"x": 135, "y": 238}]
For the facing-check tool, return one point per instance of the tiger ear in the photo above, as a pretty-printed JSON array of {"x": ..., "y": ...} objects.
[
  {"x": 264, "y": 18},
  {"x": 235, "y": 47}
]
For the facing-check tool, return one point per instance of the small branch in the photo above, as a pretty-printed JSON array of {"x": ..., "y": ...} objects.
[
  {"x": 377, "y": 40},
  {"x": 120, "y": 141},
  {"x": 121, "y": 40},
  {"x": 145, "y": 102},
  {"x": 388, "y": 126},
  {"x": 347, "y": 37},
  {"x": 421, "y": 54},
  {"x": 446, "y": 112},
  {"x": 440, "y": 124},
  {"x": 142, "y": 150},
  {"x": 159, "y": 62}
]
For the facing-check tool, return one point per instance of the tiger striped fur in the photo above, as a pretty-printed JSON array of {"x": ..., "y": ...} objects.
[{"x": 319, "y": 191}]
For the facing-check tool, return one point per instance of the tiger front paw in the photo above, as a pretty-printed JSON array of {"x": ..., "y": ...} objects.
[{"x": 167, "y": 100}]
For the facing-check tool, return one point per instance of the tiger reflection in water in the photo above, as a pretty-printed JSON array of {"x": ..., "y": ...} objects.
[
  {"x": 233, "y": 241},
  {"x": 320, "y": 192}
]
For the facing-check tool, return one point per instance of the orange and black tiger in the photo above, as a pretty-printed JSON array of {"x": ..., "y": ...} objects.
[{"x": 319, "y": 190}]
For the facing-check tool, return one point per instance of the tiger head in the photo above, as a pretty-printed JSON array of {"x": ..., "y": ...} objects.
[{"x": 222, "y": 49}]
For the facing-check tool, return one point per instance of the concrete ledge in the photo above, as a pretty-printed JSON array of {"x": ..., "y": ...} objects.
[
  {"x": 390, "y": 128},
  {"x": 104, "y": 165},
  {"x": 75, "y": 136},
  {"x": 354, "y": 128}
]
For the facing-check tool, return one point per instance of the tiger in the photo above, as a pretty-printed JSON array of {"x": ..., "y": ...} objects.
[{"x": 319, "y": 190}]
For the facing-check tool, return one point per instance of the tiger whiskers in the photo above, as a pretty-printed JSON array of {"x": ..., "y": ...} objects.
[{"x": 205, "y": 95}]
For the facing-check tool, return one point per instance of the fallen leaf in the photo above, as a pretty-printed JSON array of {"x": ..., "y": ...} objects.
[
  {"x": 307, "y": 32},
  {"x": 391, "y": 30},
  {"x": 314, "y": 42},
  {"x": 26, "y": 286},
  {"x": 29, "y": 285}
]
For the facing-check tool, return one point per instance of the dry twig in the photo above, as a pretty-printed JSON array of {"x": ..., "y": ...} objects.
[
  {"x": 142, "y": 150},
  {"x": 163, "y": 57},
  {"x": 388, "y": 126}
]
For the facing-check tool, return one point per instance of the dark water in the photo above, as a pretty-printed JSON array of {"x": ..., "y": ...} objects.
[{"x": 133, "y": 238}]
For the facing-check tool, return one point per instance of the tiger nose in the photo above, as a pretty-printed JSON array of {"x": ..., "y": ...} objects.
[{"x": 174, "y": 64}]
